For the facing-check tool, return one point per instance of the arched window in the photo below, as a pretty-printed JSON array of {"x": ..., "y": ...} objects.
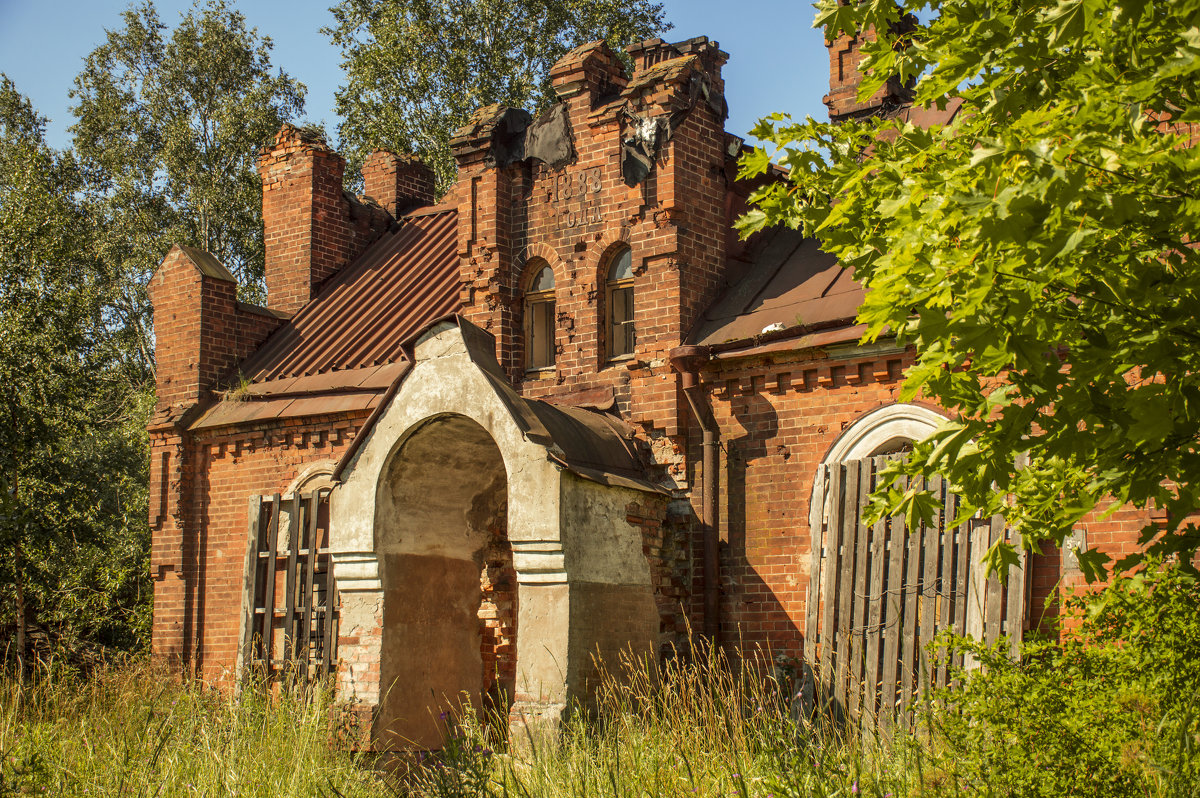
[
  {"x": 618, "y": 296},
  {"x": 539, "y": 320}
]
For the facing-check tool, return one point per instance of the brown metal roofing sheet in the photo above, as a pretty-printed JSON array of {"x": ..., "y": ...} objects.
[
  {"x": 586, "y": 439},
  {"x": 790, "y": 282},
  {"x": 230, "y": 412},
  {"x": 401, "y": 283},
  {"x": 831, "y": 337},
  {"x": 234, "y": 412}
]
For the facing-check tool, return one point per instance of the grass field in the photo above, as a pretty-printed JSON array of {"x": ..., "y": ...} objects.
[{"x": 1112, "y": 712}]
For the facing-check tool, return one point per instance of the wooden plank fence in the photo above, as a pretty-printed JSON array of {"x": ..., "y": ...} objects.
[
  {"x": 293, "y": 633},
  {"x": 879, "y": 594}
]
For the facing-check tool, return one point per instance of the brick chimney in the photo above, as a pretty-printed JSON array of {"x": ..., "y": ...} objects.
[
  {"x": 399, "y": 183},
  {"x": 312, "y": 227},
  {"x": 845, "y": 58}
]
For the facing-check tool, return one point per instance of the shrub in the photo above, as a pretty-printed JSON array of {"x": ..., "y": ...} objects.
[{"x": 1110, "y": 711}]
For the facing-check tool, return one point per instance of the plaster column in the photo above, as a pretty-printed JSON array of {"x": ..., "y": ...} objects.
[
  {"x": 543, "y": 620},
  {"x": 360, "y": 627}
]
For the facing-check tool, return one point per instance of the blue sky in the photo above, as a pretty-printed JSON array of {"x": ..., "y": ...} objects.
[{"x": 777, "y": 62}]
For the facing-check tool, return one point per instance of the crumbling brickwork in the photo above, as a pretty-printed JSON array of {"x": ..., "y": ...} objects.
[{"x": 637, "y": 163}]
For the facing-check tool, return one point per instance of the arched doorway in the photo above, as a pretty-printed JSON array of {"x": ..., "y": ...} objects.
[
  {"x": 449, "y": 589},
  {"x": 879, "y": 594}
]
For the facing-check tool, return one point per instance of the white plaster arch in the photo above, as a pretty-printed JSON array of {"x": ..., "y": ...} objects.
[
  {"x": 446, "y": 381},
  {"x": 314, "y": 476},
  {"x": 873, "y": 433},
  {"x": 573, "y": 549}
]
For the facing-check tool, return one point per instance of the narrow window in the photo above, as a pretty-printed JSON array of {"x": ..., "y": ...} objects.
[
  {"x": 619, "y": 301},
  {"x": 539, "y": 320}
]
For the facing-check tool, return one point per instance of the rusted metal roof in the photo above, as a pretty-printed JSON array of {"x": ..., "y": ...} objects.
[
  {"x": 790, "y": 283},
  {"x": 230, "y": 412},
  {"x": 358, "y": 320},
  {"x": 342, "y": 351}
]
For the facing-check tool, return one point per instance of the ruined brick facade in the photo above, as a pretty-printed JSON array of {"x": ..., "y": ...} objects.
[{"x": 251, "y": 401}]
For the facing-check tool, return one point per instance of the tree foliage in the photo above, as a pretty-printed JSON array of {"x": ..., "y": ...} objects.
[
  {"x": 72, "y": 438},
  {"x": 1109, "y": 711},
  {"x": 168, "y": 126},
  {"x": 416, "y": 70},
  {"x": 1038, "y": 250}
]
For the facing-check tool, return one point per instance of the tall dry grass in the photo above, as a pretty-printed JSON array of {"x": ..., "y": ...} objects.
[
  {"x": 136, "y": 731},
  {"x": 1112, "y": 712},
  {"x": 697, "y": 725}
]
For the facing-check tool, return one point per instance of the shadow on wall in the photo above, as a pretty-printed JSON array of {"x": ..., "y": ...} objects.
[{"x": 752, "y": 613}]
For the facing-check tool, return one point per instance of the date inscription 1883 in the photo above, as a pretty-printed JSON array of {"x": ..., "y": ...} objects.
[{"x": 576, "y": 197}]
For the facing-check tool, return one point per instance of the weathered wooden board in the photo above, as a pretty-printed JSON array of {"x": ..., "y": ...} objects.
[
  {"x": 309, "y": 612},
  {"x": 879, "y": 595}
]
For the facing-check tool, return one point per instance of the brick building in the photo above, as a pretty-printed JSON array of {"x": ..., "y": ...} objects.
[{"x": 561, "y": 411}]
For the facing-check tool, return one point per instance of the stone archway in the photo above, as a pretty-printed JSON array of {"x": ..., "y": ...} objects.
[
  {"x": 455, "y": 471},
  {"x": 449, "y": 592}
]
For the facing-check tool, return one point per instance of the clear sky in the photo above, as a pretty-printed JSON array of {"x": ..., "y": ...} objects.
[{"x": 777, "y": 62}]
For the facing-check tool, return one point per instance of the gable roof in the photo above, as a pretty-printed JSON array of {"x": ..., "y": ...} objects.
[
  {"x": 359, "y": 319},
  {"x": 342, "y": 350}
]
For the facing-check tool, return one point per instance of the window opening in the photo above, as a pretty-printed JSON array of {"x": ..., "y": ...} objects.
[
  {"x": 539, "y": 320},
  {"x": 619, "y": 296}
]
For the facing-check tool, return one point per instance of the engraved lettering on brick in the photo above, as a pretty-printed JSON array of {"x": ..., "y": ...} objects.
[{"x": 576, "y": 198}]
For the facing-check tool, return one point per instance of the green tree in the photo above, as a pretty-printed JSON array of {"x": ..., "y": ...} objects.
[
  {"x": 416, "y": 70},
  {"x": 72, "y": 439},
  {"x": 1038, "y": 250},
  {"x": 168, "y": 126}
]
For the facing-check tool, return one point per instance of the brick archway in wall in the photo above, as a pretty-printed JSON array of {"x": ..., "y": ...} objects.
[{"x": 449, "y": 588}]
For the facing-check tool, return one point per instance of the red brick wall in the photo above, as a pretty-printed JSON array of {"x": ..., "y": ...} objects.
[
  {"x": 575, "y": 218},
  {"x": 195, "y": 329},
  {"x": 198, "y": 601},
  {"x": 201, "y": 330},
  {"x": 778, "y": 418}
]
